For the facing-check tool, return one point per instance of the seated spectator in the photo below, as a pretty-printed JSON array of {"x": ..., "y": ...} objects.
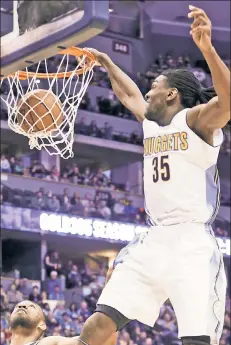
[
  {"x": 4, "y": 299},
  {"x": 87, "y": 176},
  {"x": 83, "y": 311},
  {"x": 25, "y": 288},
  {"x": 38, "y": 202},
  {"x": 77, "y": 323},
  {"x": 118, "y": 208},
  {"x": 53, "y": 204},
  {"x": 35, "y": 295},
  {"x": 5, "y": 165},
  {"x": 38, "y": 170},
  {"x": 82, "y": 127},
  {"x": 73, "y": 310},
  {"x": 14, "y": 296},
  {"x": 65, "y": 322},
  {"x": 75, "y": 176},
  {"x": 60, "y": 310},
  {"x": 44, "y": 299},
  {"x": 85, "y": 102},
  {"x": 106, "y": 131},
  {"x": 77, "y": 206},
  {"x": 53, "y": 282},
  {"x": 56, "y": 295},
  {"x": 130, "y": 210},
  {"x": 64, "y": 178},
  {"x": 26, "y": 172},
  {"x": 93, "y": 130},
  {"x": 52, "y": 263},
  {"x": 104, "y": 210},
  {"x": 3, "y": 339},
  {"x": 74, "y": 278}
]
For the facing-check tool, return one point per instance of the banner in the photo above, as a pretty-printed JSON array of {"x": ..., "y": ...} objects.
[{"x": 23, "y": 219}]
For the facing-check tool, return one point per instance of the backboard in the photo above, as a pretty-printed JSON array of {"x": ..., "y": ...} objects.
[{"x": 34, "y": 30}]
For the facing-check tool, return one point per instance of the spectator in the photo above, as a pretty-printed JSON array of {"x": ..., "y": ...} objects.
[
  {"x": 118, "y": 208},
  {"x": 26, "y": 172},
  {"x": 4, "y": 299},
  {"x": 38, "y": 170},
  {"x": 53, "y": 282},
  {"x": 25, "y": 288},
  {"x": 56, "y": 295},
  {"x": 83, "y": 311},
  {"x": 75, "y": 176},
  {"x": 130, "y": 210},
  {"x": 3, "y": 339},
  {"x": 5, "y": 165},
  {"x": 53, "y": 204},
  {"x": 65, "y": 322},
  {"x": 85, "y": 102},
  {"x": 52, "y": 263},
  {"x": 14, "y": 296},
  {"x": 77, "y": 206},
  {"x": 44, "y": 299},
  {"x": 106, "y": 131},
  {"x": 104, "y": 210},
  {"x": 87, "y": 176},
  {"x": 38, "y": 202},
  {"x": 35, "y": 295},
  {"x": 74, "y": 278},
  {"x": 93, "y": 130},
  {"x": 82, "y": 127},
  {"x": 64, "y": 178},
  {"x": 73, "y": 310}
]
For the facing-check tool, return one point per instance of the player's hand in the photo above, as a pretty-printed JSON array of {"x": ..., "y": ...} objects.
[
  {"x": 98, "y": 56},
  {"x": 201, "y": 29}
]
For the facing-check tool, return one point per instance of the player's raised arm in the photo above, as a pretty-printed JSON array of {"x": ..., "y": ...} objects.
[
  {"x": 124, "y": 87},
  {"x": 216, "y": 113}
]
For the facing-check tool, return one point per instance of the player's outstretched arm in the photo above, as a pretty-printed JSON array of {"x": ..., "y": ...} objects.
[
  {"x": 124, "y": 87},
  {"x": 216, "y": 113}
]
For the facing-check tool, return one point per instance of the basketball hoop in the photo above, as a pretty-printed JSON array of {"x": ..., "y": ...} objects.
[{"x": 68, "y": 85}]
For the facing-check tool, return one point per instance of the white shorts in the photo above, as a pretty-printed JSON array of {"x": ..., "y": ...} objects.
[{"x": 180, "y": 262}]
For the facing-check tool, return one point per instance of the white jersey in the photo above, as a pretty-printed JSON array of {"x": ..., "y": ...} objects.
[{"x": 181, "y": 182}]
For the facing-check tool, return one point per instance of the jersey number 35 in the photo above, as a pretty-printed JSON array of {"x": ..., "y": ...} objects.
[{"x": 161, "y": 169}]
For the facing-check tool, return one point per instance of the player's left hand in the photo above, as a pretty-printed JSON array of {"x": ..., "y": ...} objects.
[{"x": 201, "y": 29}]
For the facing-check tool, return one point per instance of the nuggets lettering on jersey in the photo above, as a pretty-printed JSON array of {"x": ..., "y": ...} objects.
[
  {"x": 180, "y": 176},
  {"x": 171, "y": 142}
]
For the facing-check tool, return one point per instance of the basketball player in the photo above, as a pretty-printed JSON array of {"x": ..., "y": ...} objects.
[
  {"x": 178, "y": 258},
  {"x": 28, "y": 325}
]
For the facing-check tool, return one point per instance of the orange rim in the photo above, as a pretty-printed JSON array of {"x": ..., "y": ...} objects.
[{"x": 78, "y": 52}]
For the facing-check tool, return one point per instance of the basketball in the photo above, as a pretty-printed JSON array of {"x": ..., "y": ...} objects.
[{"x": 39, "y": 110}]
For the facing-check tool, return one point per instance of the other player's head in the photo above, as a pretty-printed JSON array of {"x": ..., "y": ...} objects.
[
  {"x": 28, "y": 319},
  {"x": 177, "y": 88}
]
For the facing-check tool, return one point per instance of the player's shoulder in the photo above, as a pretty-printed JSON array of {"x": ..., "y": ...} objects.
[{"x": 193, "y": 114}]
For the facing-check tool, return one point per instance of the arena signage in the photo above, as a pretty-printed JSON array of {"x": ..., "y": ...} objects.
[
  {"x": 89, "y": 227},
  {"x": 120, "y": 47},
  {"x": 95, "y": 228}
]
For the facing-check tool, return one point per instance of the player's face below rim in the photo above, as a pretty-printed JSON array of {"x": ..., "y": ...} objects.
[
  {"x": 26, "y": 315},
  {"x": 157, "y": 99}
]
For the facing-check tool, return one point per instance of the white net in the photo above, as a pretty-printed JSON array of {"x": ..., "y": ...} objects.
[{"x": 52, "y": 129}]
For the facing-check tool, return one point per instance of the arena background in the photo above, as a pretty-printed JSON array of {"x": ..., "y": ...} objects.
[{"x": 63, "y": 222}]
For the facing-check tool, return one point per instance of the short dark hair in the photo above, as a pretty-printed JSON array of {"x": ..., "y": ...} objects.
[{"x": 189, "y": 87}]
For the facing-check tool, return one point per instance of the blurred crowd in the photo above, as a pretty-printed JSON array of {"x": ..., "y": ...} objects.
[
  {"x": 67, "y": 318},
  {"x": 101, "y": 204},
  {"x": 69, "y": 174},
  {"x": 102, "y": 201}
]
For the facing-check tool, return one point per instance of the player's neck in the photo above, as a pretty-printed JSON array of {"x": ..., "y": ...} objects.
[
  {"x": 21, "y": 339},
  {"x": 169, "y": 114}
]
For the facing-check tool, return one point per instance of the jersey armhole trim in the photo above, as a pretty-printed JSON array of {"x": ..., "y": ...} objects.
[{"x": 221, "y": 135}]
